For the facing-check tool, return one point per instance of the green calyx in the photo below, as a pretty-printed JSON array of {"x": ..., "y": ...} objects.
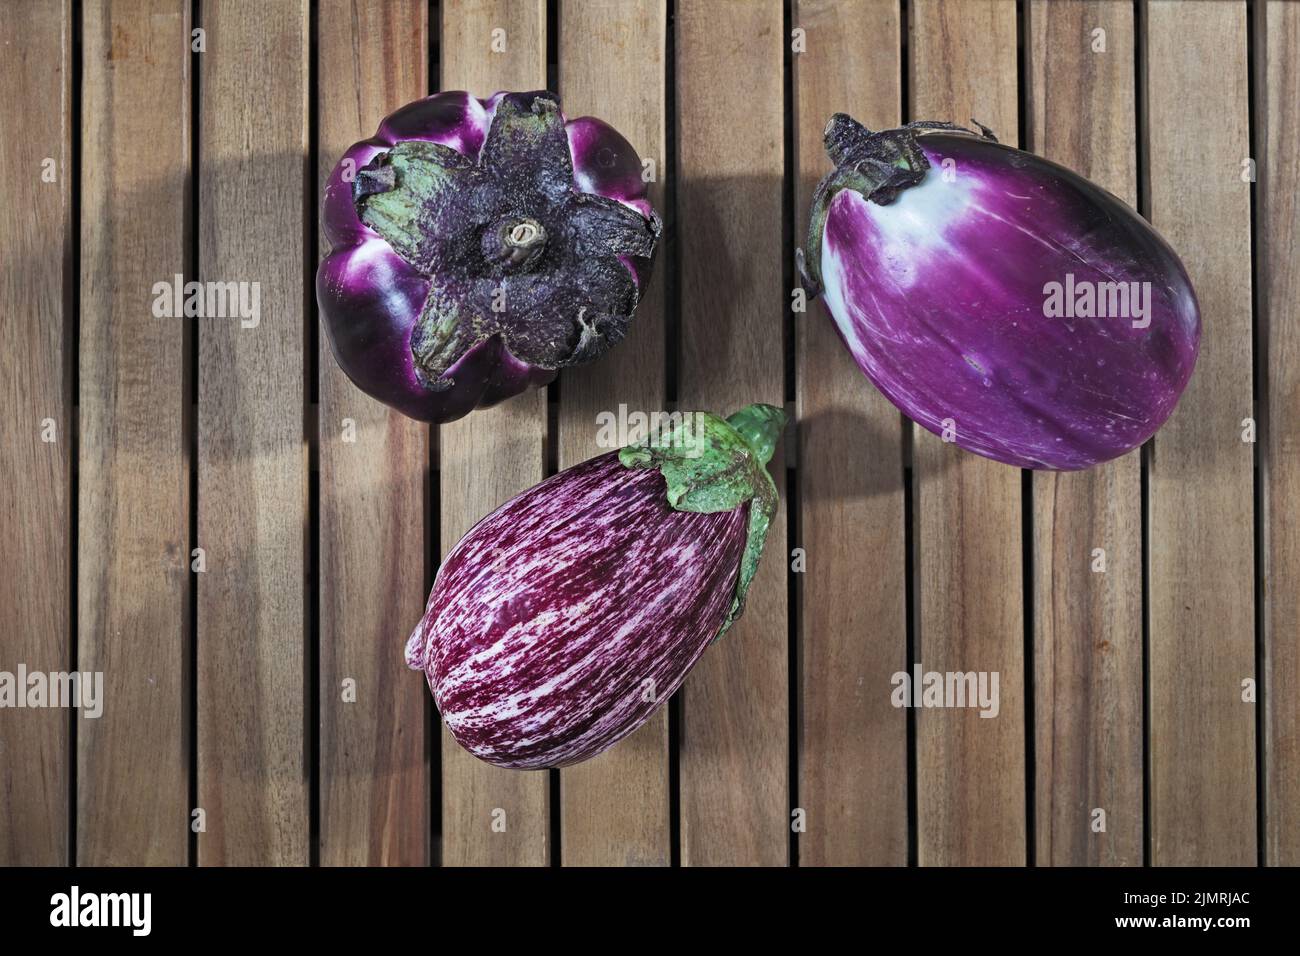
[
  {"x": 395, "y": 192},
  {"x": 510, "y": 245},
  {"x": 877, "y": 165},
  {"x": 713, "y": 464}
]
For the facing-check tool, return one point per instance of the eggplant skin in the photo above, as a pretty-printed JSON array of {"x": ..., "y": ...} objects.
[
  {"x": 939, "y": 296},
  {"x": 564, "y": 619},
  {"x": 370, "y": 299}
]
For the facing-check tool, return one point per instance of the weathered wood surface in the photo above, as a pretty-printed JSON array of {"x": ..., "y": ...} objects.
[
  {"x": 853, "y": 597},
  {"x": 1201, "y": 611},
  {"x": 1087, "y": 605},
  {"x": 36, "y": 433},
  {"x": 133, "y": 593},
  {"x": 1277, "y": 44},
  {"x": 374, "y": 772},
  {"x": 253, "y": 746}
]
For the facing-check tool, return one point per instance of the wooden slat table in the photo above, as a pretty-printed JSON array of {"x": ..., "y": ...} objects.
[{"x": 208, "y": 513}]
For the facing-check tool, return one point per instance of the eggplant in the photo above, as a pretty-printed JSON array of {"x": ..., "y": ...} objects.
[
  {"x": 565, "y": 618},
  {"x": 478, "y": 246},
  {"x": 998, "y": 299}
]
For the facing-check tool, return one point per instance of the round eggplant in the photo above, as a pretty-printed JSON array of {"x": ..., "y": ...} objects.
[{"x": 478, "y": 246}]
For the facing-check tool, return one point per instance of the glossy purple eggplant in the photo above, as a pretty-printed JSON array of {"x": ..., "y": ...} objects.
[
  {"x": 998, "y": 299},
  {"x": 478, "y": 246},
  {"x": 566, "y": 617}
]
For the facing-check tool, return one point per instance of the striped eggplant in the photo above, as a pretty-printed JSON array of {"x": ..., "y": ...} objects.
[
  {"x": 562, "y": 620},
  {"x": 998, "y": 299},
  {"x": 477, "y": 246}
]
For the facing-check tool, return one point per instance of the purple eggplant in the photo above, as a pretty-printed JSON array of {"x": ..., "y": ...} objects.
[
  {"x": 566, "y": 617},
  {"x": 478, "y": 246},
  {"x": 998, "y": 299}
]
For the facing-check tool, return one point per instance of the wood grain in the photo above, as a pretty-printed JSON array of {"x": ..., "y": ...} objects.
[
  {"x": 36, "y": 357},
  {"x": 1087, "y": 623},
  {"x": 1279, "y": 233},
  {"x": 252, "y": 494},
  {"x": 970, "y": 617},
  {"x": 134, "y": 569},
  {"x": 734, "y": 727},
  {"x": 1201, "y": 610},
  {"x": 123, "y": 451},
  {"x": 487, "y": 458},
  {"x": 375, "y": 802},
  {"x": 852, "y": 602},
  {"x": 615, "y": 809}
]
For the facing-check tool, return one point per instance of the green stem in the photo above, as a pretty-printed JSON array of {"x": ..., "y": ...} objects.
[
  {"x": 710, "y": 465},
  {"x": 877, "y": 165},
  {"x": 760, "y": 425}
]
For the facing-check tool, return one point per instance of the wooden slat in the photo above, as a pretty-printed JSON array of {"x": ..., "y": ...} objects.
[
  {"x": 852, "y": 741},
  {"x": 734, "y": 731},
  {"x": 1087, "y": 624},
  {"x": 371, "y": 59},
  {"x": 615, "y": 808},
  {"x": 35, "y": 235},
  {"x": 970, "y": 770},
  {"x": 488, "y": 457},
  {"x": 252, "y": 507},
  {"x": 133, "y": 527},
  {"x": 1201, "y": 611},
  {"x": 1279, "y": 232}
]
